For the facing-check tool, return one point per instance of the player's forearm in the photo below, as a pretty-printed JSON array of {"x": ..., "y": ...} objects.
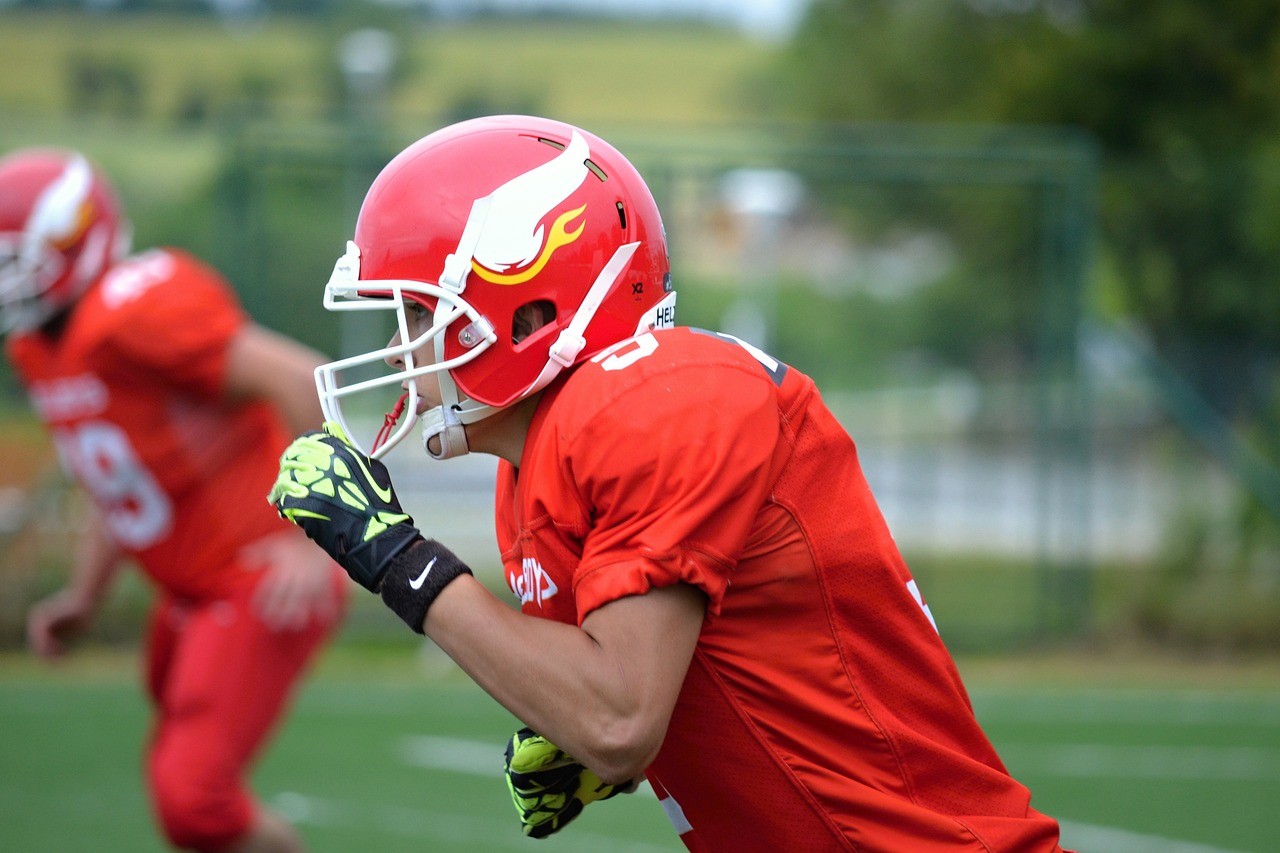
[
  {"x": 97, "y": 562},
  {"x": 554, "y": 677},
  {"x": 266, "y": 365}
]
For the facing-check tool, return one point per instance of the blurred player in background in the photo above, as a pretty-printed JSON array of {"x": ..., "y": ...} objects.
[
  {"x": 170, "y": 408},
  {"x": 709, "y": 596}
]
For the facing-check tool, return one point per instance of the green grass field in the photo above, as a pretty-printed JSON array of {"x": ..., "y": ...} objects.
[{"x": 394, "y": 750}]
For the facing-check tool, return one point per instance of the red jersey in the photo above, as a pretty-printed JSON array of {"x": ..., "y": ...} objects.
[
  {"x": 821, "y": 710},
  {"x": 131, "y": 389}
]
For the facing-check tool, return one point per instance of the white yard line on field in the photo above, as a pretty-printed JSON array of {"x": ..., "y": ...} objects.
[
  {"x": 473, "y": 757},
  {"x": 1260, "y": 709},
  {"x": 1088, "y": 838},
  {"x": 436, "y": 829},
  {"x": 1095, "y": 760}
]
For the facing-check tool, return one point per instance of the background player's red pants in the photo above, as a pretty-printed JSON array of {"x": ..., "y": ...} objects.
[{"x": 219, "y": 681}]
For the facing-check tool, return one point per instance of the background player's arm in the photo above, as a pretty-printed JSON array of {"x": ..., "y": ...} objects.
[
  {"x": 63, "y": 616},
  {"x": 265, "y": 365},
  {"x": 604, "y": 692}
]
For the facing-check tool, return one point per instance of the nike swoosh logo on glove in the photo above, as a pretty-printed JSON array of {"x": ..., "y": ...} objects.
[
  {"x": 417, "y": 582},
  {"x": 383, "y": 494}
]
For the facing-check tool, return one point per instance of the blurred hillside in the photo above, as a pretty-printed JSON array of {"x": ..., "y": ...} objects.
[{"x": 194, "y": 72}]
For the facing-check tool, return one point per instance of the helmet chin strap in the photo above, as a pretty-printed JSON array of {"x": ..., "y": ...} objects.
[
  {"x": 443, "y": 423},
  {"x": 571, "y": 340},
  {"x": 448, "y": 421}
]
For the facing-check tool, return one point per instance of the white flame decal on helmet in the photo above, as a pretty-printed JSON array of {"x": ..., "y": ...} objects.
[
  {"x": 56, "y": 216},
  {"x": 513, "y": 235}
]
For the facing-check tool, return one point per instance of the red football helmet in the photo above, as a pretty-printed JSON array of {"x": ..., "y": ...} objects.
[
  {"x": 475, "y": 221},
  {"x": 60, "y": 230}
]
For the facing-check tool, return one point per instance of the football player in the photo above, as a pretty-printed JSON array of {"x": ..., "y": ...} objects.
[
  {"x": 171, "y": 408},
  {"x": 708, "y": 594}
]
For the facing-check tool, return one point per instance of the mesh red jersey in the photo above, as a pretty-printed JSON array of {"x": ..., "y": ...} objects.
[
  {"x": 821, "y": 710},
  {"x": 131, "y": 390}
]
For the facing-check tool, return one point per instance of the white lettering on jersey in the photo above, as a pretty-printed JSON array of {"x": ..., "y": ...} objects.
[
  {"x": 532, "y": 583},
  {"x": 100, "y": 456},
  {"x": 135, "y": 277},
  {"x": 69, "y": 398},
  {"x": 626, "y": 353},
  {"x": 915, "y": 593}
]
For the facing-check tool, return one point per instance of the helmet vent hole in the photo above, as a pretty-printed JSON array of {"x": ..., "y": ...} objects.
[
  {"x": 559, "y": 146},
  {"x": 622, "y": 216}
]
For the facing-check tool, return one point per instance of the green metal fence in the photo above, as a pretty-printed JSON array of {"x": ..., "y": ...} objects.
[{"x": 931, "y": 280}]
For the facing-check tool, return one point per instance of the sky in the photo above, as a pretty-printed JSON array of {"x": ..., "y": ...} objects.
[{"x": 763, "y": 18}]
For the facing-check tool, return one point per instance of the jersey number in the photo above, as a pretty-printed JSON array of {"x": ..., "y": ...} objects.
[
  {"x": 99, "y": 455},
  {"x": 628, "y": 352}
]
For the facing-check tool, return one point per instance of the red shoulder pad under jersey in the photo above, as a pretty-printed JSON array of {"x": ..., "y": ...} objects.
[
  {"x": 165, "y": 317},
  {"x": 671, "y": 440}
]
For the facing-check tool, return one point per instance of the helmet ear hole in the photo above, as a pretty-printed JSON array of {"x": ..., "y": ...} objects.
[{"x": 530, "y": 317}]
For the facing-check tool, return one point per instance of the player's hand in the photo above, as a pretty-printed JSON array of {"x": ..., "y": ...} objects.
[
  {"x": 57, "y": 620},
  {"x": 343, "y": 500},
  {"x": 549, "y": 788},
  {"x": 297, "y": 585}
]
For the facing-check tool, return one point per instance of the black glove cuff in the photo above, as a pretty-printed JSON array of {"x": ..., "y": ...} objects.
[
  {"x": 369, "y": 561},
  {"x": 416, "y": 576}
]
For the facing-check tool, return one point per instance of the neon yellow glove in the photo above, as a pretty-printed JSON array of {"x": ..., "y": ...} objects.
[
  {"x": 549, "y": 788},
  {"x": 344, "y": 501}
]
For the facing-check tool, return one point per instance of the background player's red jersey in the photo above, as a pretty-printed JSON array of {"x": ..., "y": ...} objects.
[
  {"x": 819, "y": 690},
  {"x": 132, "y": 392}
]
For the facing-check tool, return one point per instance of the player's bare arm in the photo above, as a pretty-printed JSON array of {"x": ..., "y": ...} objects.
[
  {"x": 265, "y": 365},
  {"x": 66, "y": 614},
  {"x": 603, "y": 692}
]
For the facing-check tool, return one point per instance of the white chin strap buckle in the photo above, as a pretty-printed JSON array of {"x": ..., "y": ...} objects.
[
  {"x": 566, "y": 348},
  {"x": 442, "y": 423}
]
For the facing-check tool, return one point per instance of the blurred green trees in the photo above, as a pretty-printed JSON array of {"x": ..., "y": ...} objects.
[{"x": 1181, "y": 95}]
